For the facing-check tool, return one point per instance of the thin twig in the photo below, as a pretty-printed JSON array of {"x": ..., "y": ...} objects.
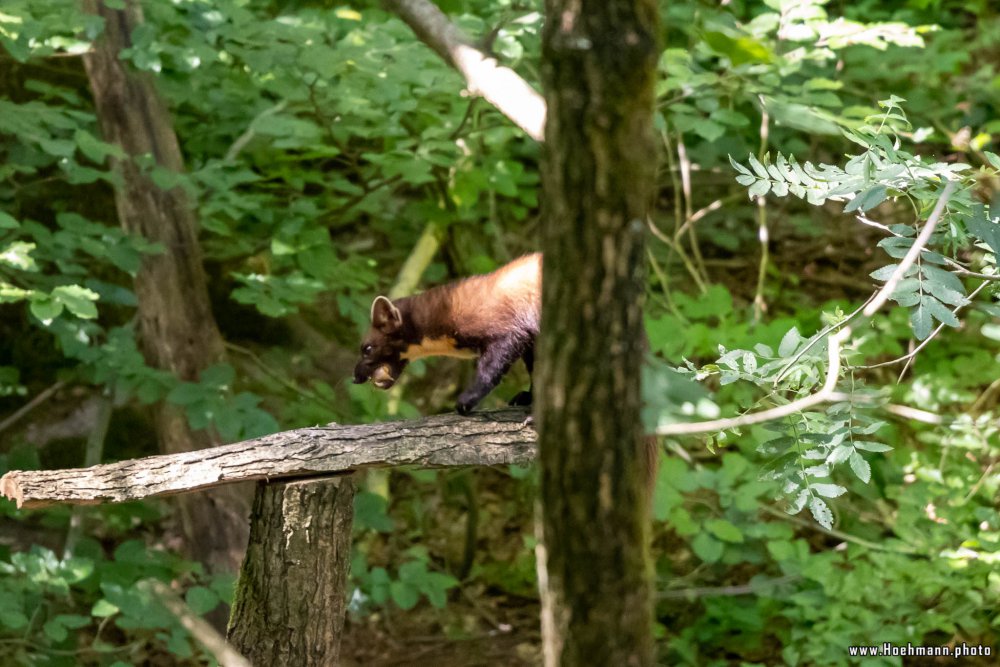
[
  {"x": 249, "y": 133},
  {"x": 913, "y": 353},
  {"x": 975, "y": 487},
  {"x": 702, "y": 212},
  {"x": 685, "y": 165},
  {"x": 840, "y": 535},
  {"x": 763, "y": 233},
  {"x": 676, "y": 247},
  {"x": 31, "y": 405}
]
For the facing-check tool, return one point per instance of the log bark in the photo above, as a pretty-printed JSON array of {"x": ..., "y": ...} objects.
[
  {"x": 178, "y": 331},
  {"x": 500, "y": 86},
  {"x": 488, "y": 438},
  {"x": 291, "y": 597},
  {"x": 598, "y": 68}
]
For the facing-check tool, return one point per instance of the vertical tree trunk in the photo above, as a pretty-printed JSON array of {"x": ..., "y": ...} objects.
[
  {"x": 599, "y": 59},
  {"x": 291, "y": 597},
  {"x": 176, "y": 325}
]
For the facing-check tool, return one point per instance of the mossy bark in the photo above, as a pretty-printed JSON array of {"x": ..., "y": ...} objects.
[
  {"x": 599, "y": 59},
  {"x": 291, "y": 596}
]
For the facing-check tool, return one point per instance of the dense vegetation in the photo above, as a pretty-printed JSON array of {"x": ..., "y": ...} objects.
[{"x": 333, "y": 157}]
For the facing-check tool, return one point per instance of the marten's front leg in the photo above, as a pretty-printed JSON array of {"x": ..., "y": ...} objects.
[
  {"x": 493, "y": 364},
  {"x": 524, "y": 398}
]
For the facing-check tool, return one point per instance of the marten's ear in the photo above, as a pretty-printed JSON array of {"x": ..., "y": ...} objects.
[{"x": 385, "y": 316}]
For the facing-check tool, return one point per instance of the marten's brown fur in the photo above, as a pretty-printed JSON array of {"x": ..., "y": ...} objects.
[{"x": 494, "y": 317}]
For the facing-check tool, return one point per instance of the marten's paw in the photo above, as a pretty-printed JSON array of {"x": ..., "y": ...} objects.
[{"x": 522, "y": 400}]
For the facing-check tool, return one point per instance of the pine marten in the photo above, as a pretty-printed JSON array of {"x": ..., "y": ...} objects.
[{"x": 493, "y": 317}]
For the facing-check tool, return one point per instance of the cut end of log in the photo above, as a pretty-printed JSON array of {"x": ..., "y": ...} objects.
[{"x": 11, "y": 489}]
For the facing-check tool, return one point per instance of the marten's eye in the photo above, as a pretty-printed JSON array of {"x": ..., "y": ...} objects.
[{"x": 366, "y": 350}]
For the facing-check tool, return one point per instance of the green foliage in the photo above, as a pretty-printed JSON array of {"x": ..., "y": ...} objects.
[
  {"x": 321, "y": 143},
  {"x": 412, "y": 581},
  {"x": 61, "y": 611}
]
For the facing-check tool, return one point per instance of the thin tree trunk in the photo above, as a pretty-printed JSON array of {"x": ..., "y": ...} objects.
[
  {"x": 598, "y": 67},
  {"x": 176, "y": 325},
  {"x": 291, "y": 597}
]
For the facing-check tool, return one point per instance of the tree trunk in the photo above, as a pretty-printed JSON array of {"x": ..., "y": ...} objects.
[
  {"x": 291, "y": 597},
  {"x": 599, "y": 59},
  {"x": 176, "y": 325}
]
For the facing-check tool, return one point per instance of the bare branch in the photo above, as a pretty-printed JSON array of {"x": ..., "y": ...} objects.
[
  {"x": 491, "y": 438},
  {"x": 500, "y": 86}
]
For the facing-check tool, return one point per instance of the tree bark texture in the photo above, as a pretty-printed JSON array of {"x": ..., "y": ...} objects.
[
  {"x": 177, "y": 329},
  {"x": 291, "y": 596},
  {"x": 485, "y": 438},
  {"x": 598, "y": 67}
]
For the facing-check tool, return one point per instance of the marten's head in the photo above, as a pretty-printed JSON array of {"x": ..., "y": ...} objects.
[{"x": 383, "y": 346}]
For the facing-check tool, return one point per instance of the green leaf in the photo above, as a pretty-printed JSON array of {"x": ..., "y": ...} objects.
[
  {"x": 404, "y": 594},
  {"x": 861, "y": 467},
  {"x": 218, "y": 375},
  {"x": 789, "y": 343},
  {"x": 821, "y": 512},
  {"x": 987, "y": 231},
  {"x": 740, "y": 49},
  {"x": 707, "y": 548},
  {"x": 867, "y": 199},
  {"x": 759, "y": 189},
  {"x": 103, "y": 608},
  {"x": 946, "y": 278},
  {"x": 682, "y": 523},
  {"x": 940, "y": 312},
  {"x": 78, "y": 300},
  {"x": 12, "y": 619},
  {"x": 724, "y": 530},
  {"x": 840, "y": 454},
  {"x": 993, "y": 158},
  {"x": 708, "y": 130},
  {"x": 739, "y": 167},
  {"x": 828, "y": 490},
  {"x": 201, "y": 600},
  {"x": 18, "y": 256},
  {"x": 780, "y": 549},
  {"x": 758, "y": 168},
  {"x": 95, "y": 149},
  {"x": 187, "y": 393},
  {"x": 871, "y": 446},
  {"x": 883, "y": 274},
  {"x": 370, "y": 511},
  {"x": 921, "y": 321},
  {"x": 45, "y": 308},
  {"x": 55, "y": 630},
  {"x": 8, "y": 222},
  {"x": 73, "y": 621},
  {"x": 945, "y": 294}
]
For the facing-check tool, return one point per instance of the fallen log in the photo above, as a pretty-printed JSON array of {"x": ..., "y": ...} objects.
[{"x": 482, "y": 439}]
